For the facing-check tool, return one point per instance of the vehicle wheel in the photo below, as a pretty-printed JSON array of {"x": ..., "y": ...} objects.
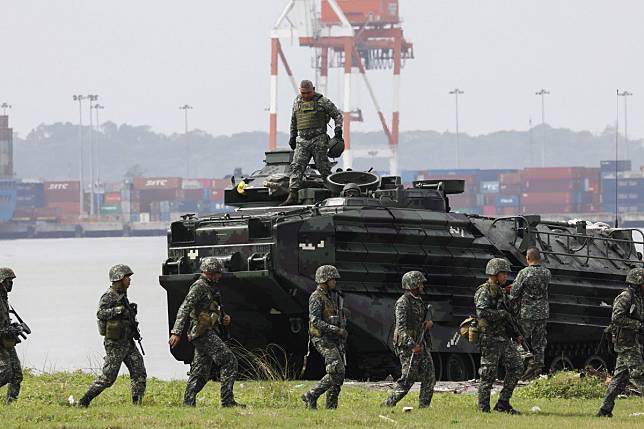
[
  {"x": 561, "y": 363},
  {"x": 459, "y": 367},
  {"x": 596, "y": 362}
]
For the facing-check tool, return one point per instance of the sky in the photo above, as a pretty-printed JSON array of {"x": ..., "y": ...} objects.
[{"x": 145, "y": 58}]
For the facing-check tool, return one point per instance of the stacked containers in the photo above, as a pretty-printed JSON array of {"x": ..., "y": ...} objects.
[
  {"x": 150, "y": 192},
  {"x": 63, "y": 196},
  {"x": 559, "y": 190},
  {"x": 610, "y": 196},
  {"x": 30, "y": 195},
  {"x": 508, "y": 201}
]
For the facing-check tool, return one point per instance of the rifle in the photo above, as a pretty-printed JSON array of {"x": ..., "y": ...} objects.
[
  {"x": 132, "y": 310},
  {"x": 343, "y": 324},
  {"x": 224, "y": 331},
  {"x": 421, "y": 338},
  {"x": 512, "y": 326},
  {"x": 21, "y": 328}
]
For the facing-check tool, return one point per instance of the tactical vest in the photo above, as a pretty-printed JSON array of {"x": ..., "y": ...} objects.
[
  {"x": 310, "y": 115},
  {"x": 496, "y": 327},
  {"x": 329, "y": 315},
  {"x": 415, "y": 319}
]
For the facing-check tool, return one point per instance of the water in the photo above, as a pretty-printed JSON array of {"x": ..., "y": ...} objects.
[
  {"x": 58, "y": 285},
  {"x": 57, "y": 290}
]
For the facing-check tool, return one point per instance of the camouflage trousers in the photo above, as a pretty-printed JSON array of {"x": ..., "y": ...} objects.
[
  {"x": 629, "y": 366},
  {"x": 316, "y": 148},
  {"x": 209, "y": 349},
  {"x": 494, "y": 351},
  {"x": 116, "y": 353},
  {"x": 421, "y": 369},
  {"x": 10, "y": 372},
  {"x": 331, "y": 383},
  {"x": 535, "y": 332}
]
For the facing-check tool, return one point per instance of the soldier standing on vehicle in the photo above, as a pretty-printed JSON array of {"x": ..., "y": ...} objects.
[
  {"x": 328, "y": 336},
  {"x": 411, "y": 346},
  {"x": 495, "y": 342},
  {"x": 530, "y": 292},
  {"x": 117, "y": 323},
  {"x": 627, "y": 328},
  {"x": 10, "y": 369},
  {"x": 201, "y": 309},
  {"x": 311, "y": 113}
]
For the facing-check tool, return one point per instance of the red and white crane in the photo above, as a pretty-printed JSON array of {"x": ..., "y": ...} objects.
[{"x": 353, "y": 35}]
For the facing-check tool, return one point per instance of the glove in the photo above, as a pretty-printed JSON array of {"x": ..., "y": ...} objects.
[
  {"x": 135, "y": 308},
  {"x": 292, "y": 142},
  {"x": 342, "y": 333},
  {"x": 338, "y": 133},
  {"x": 120, "y": 310}
]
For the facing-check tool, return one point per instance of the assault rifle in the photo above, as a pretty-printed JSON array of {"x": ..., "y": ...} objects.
[
  {"x": 19, "y": 329},
  {"x": 132, "y": 310},
  {"x": 342, "y": 324},
  {"x": 421, "y": 338},
  {"x": 224, "y": 331},
  {"x": 513, "y": 328}
]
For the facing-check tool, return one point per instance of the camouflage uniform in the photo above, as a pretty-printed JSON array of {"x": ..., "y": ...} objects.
[
  {"x": 327, "y": 338},
  {"x": 626, "y": 324},
  {"x": 530, "y": 291},
  {"x": 312, "y": 142},
  {"x": 114, "y": 323},
  {"x": 495, "y": 345},
  {"x": 10, "y": 369},
  {"x": 201, "y": 308}
]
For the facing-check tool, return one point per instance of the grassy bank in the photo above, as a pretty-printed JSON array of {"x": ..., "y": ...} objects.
[{"x": 43, "y": 403}]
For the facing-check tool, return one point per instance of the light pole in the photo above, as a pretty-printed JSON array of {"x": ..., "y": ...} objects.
[
  {"x": 92, "y": 98},
  {"x": 625, "y": 94},
  {"x": 456, "y": 92},
  {"x": 543, "y": 94},
  {"x": 4, "y": 107},
  {"x": 97, "y": 165},
  {"x": 185, "y": 109},
  {"x": 80, "y": 99}
]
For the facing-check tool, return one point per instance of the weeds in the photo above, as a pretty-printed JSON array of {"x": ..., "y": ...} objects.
[{"x": 566, "y": 385}]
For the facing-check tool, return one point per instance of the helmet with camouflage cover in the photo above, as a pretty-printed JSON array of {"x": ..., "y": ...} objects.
[
  {"x": 350, "y": 190},
  {"x": 496, "y": 266},
  {"x": 6, "y": 273},
  {"x": 325, "y": 273},
  {"x": 413, "y": 280},
  {"x": 635, "y": 277},
  {"x": 119, "y": 272},
  {"x": 211, "y": 265}
]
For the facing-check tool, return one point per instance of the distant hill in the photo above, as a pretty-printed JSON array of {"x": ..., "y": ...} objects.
[{"x": 52, "y": 151}]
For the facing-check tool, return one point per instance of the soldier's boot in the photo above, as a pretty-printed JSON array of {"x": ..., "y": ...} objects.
[
  {"x": 425, "y": 402},
  {"x": 12, "y": 392},
  {"x": 292, "y": 198},
  {"x": 85, "y": 400},
  {"x": 505, "y": 407},
  {"x": 484, "y": 402},
  {"x": 137, "y": 399},
  {"x": 233, "y": 404},
  {"x": 332, "y": 397},
  {"x": 604, "y": 413},
  {"x": 310, "y": 401}
]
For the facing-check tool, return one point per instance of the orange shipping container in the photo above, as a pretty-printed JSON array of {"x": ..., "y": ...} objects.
[
  {"x": 149, "y": 183},
  {"x": 112, "y": 197},
  {"x": 65, "y": 191}
]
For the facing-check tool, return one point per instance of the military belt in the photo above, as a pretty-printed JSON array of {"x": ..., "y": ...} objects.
[{"x": 311, "y": 133}]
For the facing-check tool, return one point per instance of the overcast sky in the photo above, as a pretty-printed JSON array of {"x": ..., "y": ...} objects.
[{"x": 146, "y": 57}]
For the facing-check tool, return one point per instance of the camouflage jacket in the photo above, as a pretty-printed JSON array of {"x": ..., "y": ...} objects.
[
  {"x": 201, "y": 307},
  {"x": 486, "y": 300},
  {"x": 5, "y": 320},
  {"x": 107, "y": 310},
  {"x": 324, "y": 103},
  {"x": 627, "y": 316},
  {"x": 324, "y": 318},
  {"x": 410, "y": 315},
  {"x": 530, "y": 292}
]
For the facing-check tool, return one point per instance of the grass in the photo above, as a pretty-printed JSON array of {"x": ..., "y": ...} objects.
[{"x": 276, "y": 404}]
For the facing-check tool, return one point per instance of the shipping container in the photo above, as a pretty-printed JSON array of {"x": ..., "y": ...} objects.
[
  {"x": 61, "y": 192},
  {"x": 488, "y": 210},
  {"x": 622, "y": 165},
  {"x": 65, "y": 208},
  {"x": 549, "y": 198},
  {"x": 505, "y": 189},
  {"x": 508, "y": 201},
  {"x": 111, "y": 198},
  {"x": 191, "y": 184},
  {"x": 193, "y": 194},
  {"x": 158, "y": 183},
  {"x": 489, "y": 187},
  {"x": 362, "y": 11},
  {"x": 561, "y": 185},
  {"x": 552, "y": 173},
  {"x": 510, "y": 178}
]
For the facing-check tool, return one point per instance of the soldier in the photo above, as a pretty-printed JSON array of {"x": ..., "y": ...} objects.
[
  {"x": 415, "y": 358},
  {"x": 311, "y": 113},
  {"x": 351, "y": 190},
  {"x": 328, "y": 337},
  {"x": 495, "y": 343},
  {"x": 10, "y": 369},
  {"x": 202, "y": 310},
  {"x": 530, "y": 292},
  {"x": 626, "y": 327},
  {"x": 117, "y": 323}
]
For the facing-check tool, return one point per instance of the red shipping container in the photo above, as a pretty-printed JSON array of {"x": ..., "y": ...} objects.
[
  {"x": 547, "y": 198},
  {"x": 206, "y": 183},
  {"x": 552, "y": 173},
  {"x": 490, "y": 199},
  {"x": 150, "y": 183},
  {"x": 510, "y": 189},
  {"x": 507, "y": 211},
  {"x": 547, "y": 209},
  {"x": 488, "y": 210},
  {"x": 362, "y": 11},
  {"x": 192, "y": 195},
  {"x": 462, "y": 201},
  {"x": 217, "y": 195},
  {"x": 149, "y": 195},
  {"x": 64, "y": 191},
  {"x": 65, "y": 208},
  {"x": 510, "y": 179},
  {"x": 112, "y": 197},
  {"x": 221, "y": 183},
  {"x": 565, "y": 185}
]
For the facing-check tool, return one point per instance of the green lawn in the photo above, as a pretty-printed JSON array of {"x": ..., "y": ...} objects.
[{"x": 276, "y": 404}]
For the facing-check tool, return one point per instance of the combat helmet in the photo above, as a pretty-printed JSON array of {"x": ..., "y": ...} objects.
[
  {"x": 325, "y": 273},
  {"x": 635, "y": 277},
  {"x": 211, "y": 265},
  {"x": 336, "y": 147},
  {"x": 413, "y": 280},
  {"x": 6, "y": 273},
  {"x": 119, "y": 271},
  {"x": 496, "y": 266},
  {"x": 350, "y": 188}
]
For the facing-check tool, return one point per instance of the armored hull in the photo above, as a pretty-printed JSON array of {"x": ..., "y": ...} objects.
[{"x": 272, "y": 252}]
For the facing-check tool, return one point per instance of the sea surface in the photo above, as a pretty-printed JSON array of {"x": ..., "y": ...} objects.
[{"x": 58, "y": 285}]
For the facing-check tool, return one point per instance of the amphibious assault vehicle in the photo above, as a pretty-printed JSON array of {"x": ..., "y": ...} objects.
[{"x": 271, "y": 254}]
